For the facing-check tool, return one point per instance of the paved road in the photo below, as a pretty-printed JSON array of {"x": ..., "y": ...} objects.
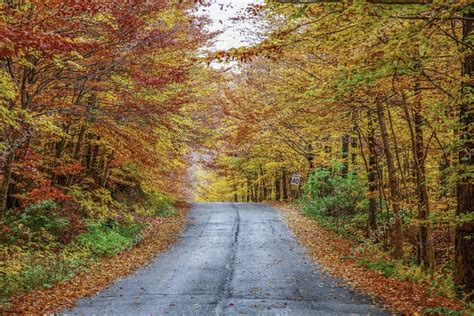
[{"x": 232, "y": 259}]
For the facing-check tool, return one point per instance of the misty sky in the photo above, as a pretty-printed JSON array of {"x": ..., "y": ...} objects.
[{"x": 220, "y": 12}]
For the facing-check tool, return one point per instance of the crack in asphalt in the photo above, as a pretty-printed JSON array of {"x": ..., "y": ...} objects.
[
  {"x": 228, "y": 284},
  {"x": 226, "y": 292}
]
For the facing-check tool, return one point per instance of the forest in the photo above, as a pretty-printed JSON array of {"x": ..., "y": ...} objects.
[
  {"x": 98, "y": 113},
  {"x": 106, "y": 105},
  {"x": 371, "y": 104}
]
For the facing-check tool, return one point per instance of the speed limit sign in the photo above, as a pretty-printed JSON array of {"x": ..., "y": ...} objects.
[{"x": 295, "y": 180}]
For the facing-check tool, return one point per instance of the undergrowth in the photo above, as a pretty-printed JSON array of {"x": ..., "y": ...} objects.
[
  {"x": 34, "y": 254},
  {"x": 338, "y": 202}
]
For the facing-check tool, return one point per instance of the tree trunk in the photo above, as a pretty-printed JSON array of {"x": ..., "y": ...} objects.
[
  {"x": 285, "y": 185},
  {"x": 400, "y": 173},
  {"x": 426, "y": 259},
  {"x": 394, "y": 188},
  {"x": 7, "y": 173},
  {"x": 95, "y": 155},
  {"x": 260, "y": 185},
  {"x": 255, "y": 192},
  {"x": 345, "y": 154},
  {"x": 249, "y": 189},
  {"x": 264, "y": 191},
  {"x": 277, "y": 187},
  {"x": 89, "y": 154},
  {"x": 354, "y": 146},
  {"x": 310, "y": 157},
  {"x": 107, "y": 160},
  {"x": 464, "y": 253},
  {"x": 80, "y": 138},
  {"x": 372, "y": 175}
]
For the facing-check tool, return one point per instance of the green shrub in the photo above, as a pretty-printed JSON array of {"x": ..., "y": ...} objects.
[
  {"x": 34, "y": 258},
  {"x": 329, "y": 192},
  {"x": 37, "y": 223},
  {"x": 109, "y": 238},
  {"x": 40, "y": 271},
  {"x": 160, "y": 204},
  {"x": 334, "y": 199}
]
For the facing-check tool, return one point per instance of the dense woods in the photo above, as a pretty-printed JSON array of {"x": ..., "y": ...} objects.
[
  {"x": 97, "y": 100},
  {"x": 372, "y": 105}
]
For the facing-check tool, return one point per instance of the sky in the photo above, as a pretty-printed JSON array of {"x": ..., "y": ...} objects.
[{"x": 221, "y": 12}]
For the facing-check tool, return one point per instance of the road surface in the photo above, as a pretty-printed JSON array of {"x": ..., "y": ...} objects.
[{"x": 232, "y": 259}]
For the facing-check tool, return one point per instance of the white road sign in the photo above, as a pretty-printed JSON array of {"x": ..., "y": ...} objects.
[{"x": 295, "y": 179}]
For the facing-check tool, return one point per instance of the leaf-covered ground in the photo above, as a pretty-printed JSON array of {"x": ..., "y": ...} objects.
[
  {"x": 335, "y": 254},
  {"x": 157, "y": 237}
]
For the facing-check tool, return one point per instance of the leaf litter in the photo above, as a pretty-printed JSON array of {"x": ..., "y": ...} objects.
[
  {"x": 157, "y": 237},
  {"x": 335, "y": 254}
]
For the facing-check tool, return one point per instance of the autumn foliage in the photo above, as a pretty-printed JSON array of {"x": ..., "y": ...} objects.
[
  {"x": 371, "y": 104},
  {"x": 96, "y": 100}
]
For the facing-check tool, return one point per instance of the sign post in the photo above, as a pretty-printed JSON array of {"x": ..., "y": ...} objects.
[{"x": 295, "y": 185}]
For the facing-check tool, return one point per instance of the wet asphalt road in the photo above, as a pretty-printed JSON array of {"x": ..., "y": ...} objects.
[{"x": 232, "y": 259}]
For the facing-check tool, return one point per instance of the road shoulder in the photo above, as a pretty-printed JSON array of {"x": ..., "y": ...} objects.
[{"x": 336, "y": 254}]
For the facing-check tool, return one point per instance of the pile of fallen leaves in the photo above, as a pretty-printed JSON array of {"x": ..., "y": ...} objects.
[
  {"x": 157, "y": 237},
  {"x": 335, "y": 253}
]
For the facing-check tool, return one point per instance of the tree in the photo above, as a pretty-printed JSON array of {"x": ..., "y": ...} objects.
[
  {"x": 93, "y": 88},
  {"x": 399, "y": 63},
  {"x": 464, "y": 259}
]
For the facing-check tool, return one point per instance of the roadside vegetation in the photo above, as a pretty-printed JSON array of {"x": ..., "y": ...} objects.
[
  {"x": 42, "y": 246},
  {"x": 98, "y": 270},
  {"x": 338, "y": 204},
  {"x": 390, "y": 284}
]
